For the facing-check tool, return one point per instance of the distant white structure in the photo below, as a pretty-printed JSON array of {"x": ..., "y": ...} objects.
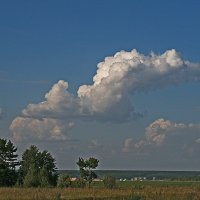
[
  {"x": 134, "y": 179},
  {"x": 139, "y": 179},
  {"x": 97, "y": 179},
  {"x": 73, "y": 179}
]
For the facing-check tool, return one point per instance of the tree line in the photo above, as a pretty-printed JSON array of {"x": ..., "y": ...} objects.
[{"x": 38, "y": 169}]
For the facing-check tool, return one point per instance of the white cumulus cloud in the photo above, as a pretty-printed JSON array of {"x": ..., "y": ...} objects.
[
  {"x": 164, "y": 133},
  {"x": 45, "y": 129},
  {"x": 117, "y": 78}
]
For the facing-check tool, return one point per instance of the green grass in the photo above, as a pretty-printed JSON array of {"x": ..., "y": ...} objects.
[{"x": 129, "y": 184}]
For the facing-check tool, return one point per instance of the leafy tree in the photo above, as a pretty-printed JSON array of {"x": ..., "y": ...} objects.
[
  {"x": 32, "y": 177},
  {"x": 86, "y": 167},
  {"x": 109, "y": 182},
  {"x": 44, "y": 177},
  {"x": 8, "y": 163},
  {"x": 37, "y": 168}
]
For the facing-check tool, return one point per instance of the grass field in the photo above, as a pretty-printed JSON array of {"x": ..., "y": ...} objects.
[{"x": 148, "y": 190}]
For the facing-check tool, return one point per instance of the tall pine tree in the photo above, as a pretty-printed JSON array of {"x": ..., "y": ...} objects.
[{"x": 8, "y": 163}]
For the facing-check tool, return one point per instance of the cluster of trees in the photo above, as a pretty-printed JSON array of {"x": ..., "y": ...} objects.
[
  {"x": 38, "y": 169},
  {"x": 35, "y": 169}
]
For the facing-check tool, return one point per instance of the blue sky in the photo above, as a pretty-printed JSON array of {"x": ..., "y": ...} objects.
[{"x": 43, "y": 42}]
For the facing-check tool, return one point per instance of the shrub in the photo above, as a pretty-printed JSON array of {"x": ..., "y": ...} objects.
[
  {"x": 63, "y": 181},
  {"x": 109, "y": 182},
  {"x": 79, "y": 183}
]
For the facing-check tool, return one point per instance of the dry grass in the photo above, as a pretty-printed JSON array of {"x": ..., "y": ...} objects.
[{"x": 148, "y": 192}]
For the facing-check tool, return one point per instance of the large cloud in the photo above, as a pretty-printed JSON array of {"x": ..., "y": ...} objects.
[
  {"x": 164, "y": 133},
  {"x": 117, "y": 77}
]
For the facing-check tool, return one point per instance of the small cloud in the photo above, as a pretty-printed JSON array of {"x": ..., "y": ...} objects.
[
  {"x": 71, "y": 125},
  {"x": 164, "y": 134},
  {"x": 35, "y": 129},
  {"x": 197, "y": 141},
  {"x": 128, "y": 145},
  {"x": 94, "y": 143}
]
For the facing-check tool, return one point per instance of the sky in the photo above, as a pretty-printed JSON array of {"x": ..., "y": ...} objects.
[{"x": 116, "y": 80}]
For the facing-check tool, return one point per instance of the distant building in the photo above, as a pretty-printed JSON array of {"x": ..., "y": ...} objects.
[{"x": 73, "y": 179}]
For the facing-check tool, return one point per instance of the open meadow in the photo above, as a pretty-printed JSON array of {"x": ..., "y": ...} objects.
[{"x": 127, "y": 190}]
